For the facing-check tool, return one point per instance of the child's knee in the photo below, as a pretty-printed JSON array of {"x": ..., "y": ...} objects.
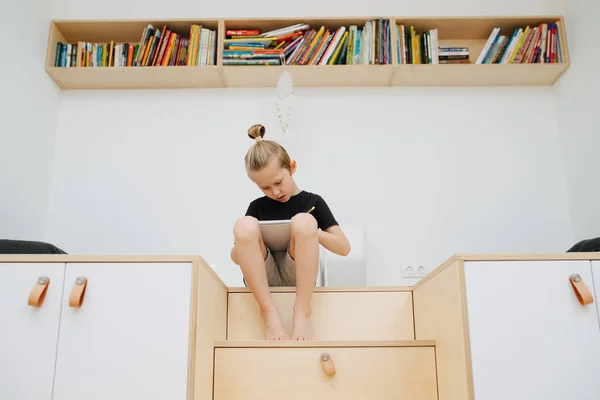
[
  {"x": 304, "y": 224},
  {"x": 246, "y": 228}
]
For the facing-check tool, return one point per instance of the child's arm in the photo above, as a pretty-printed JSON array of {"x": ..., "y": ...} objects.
[{"x": 334, "y": 240}]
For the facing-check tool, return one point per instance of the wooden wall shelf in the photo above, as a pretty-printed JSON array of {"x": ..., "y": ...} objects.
[{"x": 471, "y": 32}]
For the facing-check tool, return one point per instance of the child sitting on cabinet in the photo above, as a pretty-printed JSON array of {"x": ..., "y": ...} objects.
[{"x": 269, "y": 166}]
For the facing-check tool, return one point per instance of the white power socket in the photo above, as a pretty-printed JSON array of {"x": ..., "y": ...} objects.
[{"x": 414, "y": 271}]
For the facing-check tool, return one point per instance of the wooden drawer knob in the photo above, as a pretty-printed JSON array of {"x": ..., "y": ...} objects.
[
  {"x": 38, "y": 293},
  {"x": 327, "y": 363},
  {"x": 78, "y": 292},
  {"x": 581, "y": 290}
]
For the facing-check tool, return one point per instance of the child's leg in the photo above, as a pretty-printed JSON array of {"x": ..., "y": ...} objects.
[
  {"x": 250, "y": 253},
  {"x": 304, "y": 249}
]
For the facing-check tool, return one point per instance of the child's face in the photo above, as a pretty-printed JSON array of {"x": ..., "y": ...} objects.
[{"x": 275, "y": 182}]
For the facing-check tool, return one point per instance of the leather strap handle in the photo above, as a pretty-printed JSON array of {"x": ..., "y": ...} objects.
[
  {"x": 38, "y": 293},
  {"x": 327, "y": 363},
  {"x": 581, "y": 290},
  {"x": 78, "y": 292}
]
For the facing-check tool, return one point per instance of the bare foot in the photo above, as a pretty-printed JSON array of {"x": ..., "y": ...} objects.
[
  {"x": 302, "y": 327},
  {"x": 274, "y": 328}
]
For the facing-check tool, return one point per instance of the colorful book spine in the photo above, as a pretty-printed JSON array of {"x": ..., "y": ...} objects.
[
  {"x": 157, "y": 47},
  {"x": 537, "y": 44}
]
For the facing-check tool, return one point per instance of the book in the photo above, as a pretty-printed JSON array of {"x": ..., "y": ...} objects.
[
  {"x": 414, "y": 47},
  {"x": 453, "y": 55},
  {"x": 158, "y": 46},
  {"x": 302, "y": 44},
  {"x": 537, "y": 44}
]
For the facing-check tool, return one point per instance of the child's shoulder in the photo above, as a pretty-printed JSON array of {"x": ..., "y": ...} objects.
[
  {"x": 259, "y": 200},
  {"x": 313, "y": 195}
]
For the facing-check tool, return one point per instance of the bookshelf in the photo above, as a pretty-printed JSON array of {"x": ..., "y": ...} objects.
[
  {"x": 304, "y": 75},
  {"x": 127, "y": 31},
  {"x": 471, "y": 32}
]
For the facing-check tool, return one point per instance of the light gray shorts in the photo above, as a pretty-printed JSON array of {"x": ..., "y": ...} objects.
[{"x": 281, "y": 269}]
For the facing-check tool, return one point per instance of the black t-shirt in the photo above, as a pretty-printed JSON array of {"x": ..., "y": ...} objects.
[{"x": 266, "y": 209}]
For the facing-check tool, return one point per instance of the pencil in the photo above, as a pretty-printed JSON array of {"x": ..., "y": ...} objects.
[{"x": 313, "y": 207}]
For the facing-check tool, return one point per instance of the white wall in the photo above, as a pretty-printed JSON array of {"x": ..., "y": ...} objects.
[
  {"x": 162, "y": 172},
  {"x": 578, "y": 108},
  {"x": 28, "y": 116},
  {"x": 430, "y": 171},
  {"x": 273, "y": 8}
]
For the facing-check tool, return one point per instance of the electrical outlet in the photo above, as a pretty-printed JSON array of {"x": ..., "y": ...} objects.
[
  {"x": 408, "y": 271},
  {"x": 412, "y": 271}
]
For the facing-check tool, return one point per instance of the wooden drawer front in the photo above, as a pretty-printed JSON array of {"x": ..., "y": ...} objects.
[
  {"x": 335, "y": 316},
  {"x": 378, "y": 373}
]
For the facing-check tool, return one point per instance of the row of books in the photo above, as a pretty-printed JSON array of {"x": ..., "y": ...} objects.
[
  {"x": 416, "y": 48},
  {"x": 250, "y": 47},
  {"x": 157, "y": 47},
  {"x": 300, "y": 44},
  {"x": 423, "y": 48},
  {"x": 537, "y": 44}
]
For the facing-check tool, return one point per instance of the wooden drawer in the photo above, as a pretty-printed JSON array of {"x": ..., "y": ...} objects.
[
  {"x": 359, "y": 315},
  {"x": 392, "y": 371}
]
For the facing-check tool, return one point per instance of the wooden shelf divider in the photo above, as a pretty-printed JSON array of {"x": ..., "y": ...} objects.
[{"x": 471, "y": 32}]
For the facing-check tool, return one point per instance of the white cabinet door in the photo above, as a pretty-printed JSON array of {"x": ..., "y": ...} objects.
[
  {"x": 129, "y": 339},
  {"x": 28, "y": 335},
  {"x": 596, "y": 273},
  {"x": 530, "y": 338}
]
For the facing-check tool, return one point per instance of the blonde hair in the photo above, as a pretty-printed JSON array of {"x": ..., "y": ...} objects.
[{"x": 263, "y": 151}]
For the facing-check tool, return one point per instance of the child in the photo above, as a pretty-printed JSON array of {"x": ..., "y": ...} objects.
[{"x": 269, "y": 166}]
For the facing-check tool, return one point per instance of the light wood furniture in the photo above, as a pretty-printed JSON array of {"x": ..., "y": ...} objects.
[
  {"x": 453, "y": 31},
  {"x": 400, "y": 371},
  {"x": 335, "y": 315},
  {"x": 510, "y": 326},
  {"x": 478, "y": 327},
  {"x": 135, "y": 332}
]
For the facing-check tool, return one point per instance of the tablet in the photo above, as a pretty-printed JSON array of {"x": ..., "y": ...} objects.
[{"x": 276, "y": 234}]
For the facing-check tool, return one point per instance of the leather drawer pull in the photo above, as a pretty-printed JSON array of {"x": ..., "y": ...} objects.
[
  {"x": 327, "y": 364},
  {"x": 78, "y": 292},
  {"x": 38, "y": 293},
  {"x": 581, "y": 290}
]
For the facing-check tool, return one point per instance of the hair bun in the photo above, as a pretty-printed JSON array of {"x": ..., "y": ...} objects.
[{"x": 256, "y": 131}]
